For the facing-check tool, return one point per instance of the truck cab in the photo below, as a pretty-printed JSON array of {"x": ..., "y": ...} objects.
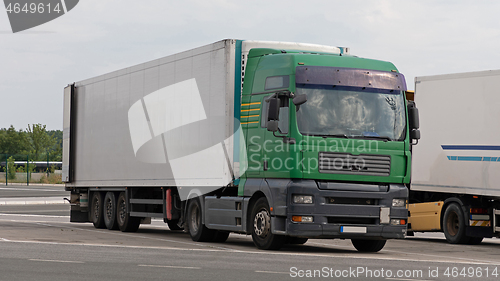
[{"x": 327, "y": 139}]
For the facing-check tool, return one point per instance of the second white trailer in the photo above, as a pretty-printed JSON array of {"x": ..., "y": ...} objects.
[{"x": 456, "y": 165}]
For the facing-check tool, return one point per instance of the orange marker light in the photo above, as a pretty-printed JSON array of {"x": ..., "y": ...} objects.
[
  {"x": 271, "y": 209},
  {"x": 403, "y": 222},
  {"x": 297, "y": 218}
]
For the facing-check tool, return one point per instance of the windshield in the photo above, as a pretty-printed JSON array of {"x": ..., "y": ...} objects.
[{"x": 351, "y": 112}]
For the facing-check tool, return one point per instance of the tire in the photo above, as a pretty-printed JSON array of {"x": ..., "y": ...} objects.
[
  {"x": 454, "y": 225},
  {"x": 96, "y": 214},
  {"x": 297, "y": 241},
  {"x": 109, "y": 211},
  {"x": 220, "y": 236},
  {"x": 198, "y": 231},
  {"x": 261, "y": 227},
  {"x": 368, "y": 246},
  {"x": 475, "y": 240},
  {"x": 172, "y": 224},
  {"x": 126, "y": 223}
]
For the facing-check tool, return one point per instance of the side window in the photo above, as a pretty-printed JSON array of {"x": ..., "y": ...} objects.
[
  {"x": 277, "y": 82},
  {"x": 283, "y": 123}
]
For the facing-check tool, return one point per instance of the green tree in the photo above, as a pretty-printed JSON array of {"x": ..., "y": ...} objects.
[
  {"x": 40, "y": 141},
  {"x": 13, "y": 142}
]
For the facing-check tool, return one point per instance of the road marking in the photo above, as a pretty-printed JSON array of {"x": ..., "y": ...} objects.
[
  {"x": 36, "y": 216},
  {"x": 56, "y": 261},
  {"x": 442, "y": 259},
  {"x": 249, "y": 252},
  {"x": 465, "y": 260},
  {"x": 30, "y": 189},
  {"x": 169, "y": 266},
  {"x": 273, "y": 272}
]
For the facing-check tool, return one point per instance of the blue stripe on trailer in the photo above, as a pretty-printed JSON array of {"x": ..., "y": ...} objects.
[
  {"x": 474, "y": 158},
  {"x": 471, "y": 147}
]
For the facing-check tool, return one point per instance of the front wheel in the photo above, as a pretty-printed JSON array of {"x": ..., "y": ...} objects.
[
  {"x": 261, "y": 227},
  {"x": 368, "y": 246}
]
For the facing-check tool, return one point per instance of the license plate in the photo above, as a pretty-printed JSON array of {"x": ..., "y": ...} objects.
[{"x": 352, "y": 229}]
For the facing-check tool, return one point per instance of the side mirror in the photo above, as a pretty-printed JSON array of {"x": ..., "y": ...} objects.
[
  {"x": 413, "y": 118},
  {"x": 299, "y": 99},
  {"x": 272, "y": 126},
  {"x": 273, "y": 111}
]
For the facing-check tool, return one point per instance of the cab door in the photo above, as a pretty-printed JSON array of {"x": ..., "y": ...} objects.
[{"x": 277, "y": 147}]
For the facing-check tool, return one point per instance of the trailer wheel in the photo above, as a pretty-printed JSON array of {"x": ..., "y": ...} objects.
[
  {"x": 261, "y": 227},
  {"x": 368, "y": 246},
  {"x": 126, "y": 223},
  {"x": 109, "y": 211},
  {"x": 96, "y": 213},
  {"x": 454, "y": 225},
  {"x": 172, "y": 224},
  {"x": 198, "y": 231}
]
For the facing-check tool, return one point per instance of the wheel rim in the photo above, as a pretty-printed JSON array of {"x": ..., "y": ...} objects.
[
  {"x": 109, "y": 209},
  {"x": 262, "y": 223},
  {"x": 452, "y": 223},
  {"x": 194, "y": 220},
  {"x": 122, "y": 209}
]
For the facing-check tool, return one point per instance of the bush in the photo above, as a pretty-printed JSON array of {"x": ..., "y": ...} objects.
[
  {"x": 52, "y": 179},
  {"x": 11, "y": 169}
]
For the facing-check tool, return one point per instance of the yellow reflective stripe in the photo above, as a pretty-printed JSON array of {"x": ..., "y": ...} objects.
[
  {"x": 246, "y": 123},
  {"x": 246, "y": 110},
  {"x": 479, "y": 223},
  {"x": 247, "y": 104},
  {"x": 250, "y": 116}
]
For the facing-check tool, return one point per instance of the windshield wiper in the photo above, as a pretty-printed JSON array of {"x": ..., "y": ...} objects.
[
  {"x": 329, "y": 136},
  {"x": 386, "y": 138}
]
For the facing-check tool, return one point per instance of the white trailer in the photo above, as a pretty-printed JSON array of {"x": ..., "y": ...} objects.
[{"x": 455, "y": 184}]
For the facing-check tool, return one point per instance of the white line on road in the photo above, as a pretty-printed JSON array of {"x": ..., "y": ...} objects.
[
  {"x": 442, "y": 259},
  {"x": 169, "y": 266},
  {"x": 272, "y": 272},
  {"x": 39, "y": 216},
  {"x": 29, "y": 189},
  {"x": 56, "y": 261}
]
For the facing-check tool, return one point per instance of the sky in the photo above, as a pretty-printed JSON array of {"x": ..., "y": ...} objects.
[{"x": 421, "y": 38}]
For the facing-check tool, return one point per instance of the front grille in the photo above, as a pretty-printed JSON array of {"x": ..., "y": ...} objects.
[
  {"x": 348, "y": 164},
  {"x": 340, "y": 220},
  {"x": 351, "y": 201}
]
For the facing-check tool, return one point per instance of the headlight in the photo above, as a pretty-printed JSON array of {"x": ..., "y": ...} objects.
[
  {"x": 302, "y": 199},
  {"x": 398, "y": 202}
]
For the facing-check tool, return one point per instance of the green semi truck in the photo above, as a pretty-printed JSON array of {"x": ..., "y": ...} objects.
[{"x": 281, "y": 141}]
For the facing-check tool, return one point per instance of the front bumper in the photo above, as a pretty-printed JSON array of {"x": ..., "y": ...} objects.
[{"x": 354, "y": 212}]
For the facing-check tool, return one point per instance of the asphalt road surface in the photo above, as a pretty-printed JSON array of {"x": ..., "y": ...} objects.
[{"x": 37, "y": 242}]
